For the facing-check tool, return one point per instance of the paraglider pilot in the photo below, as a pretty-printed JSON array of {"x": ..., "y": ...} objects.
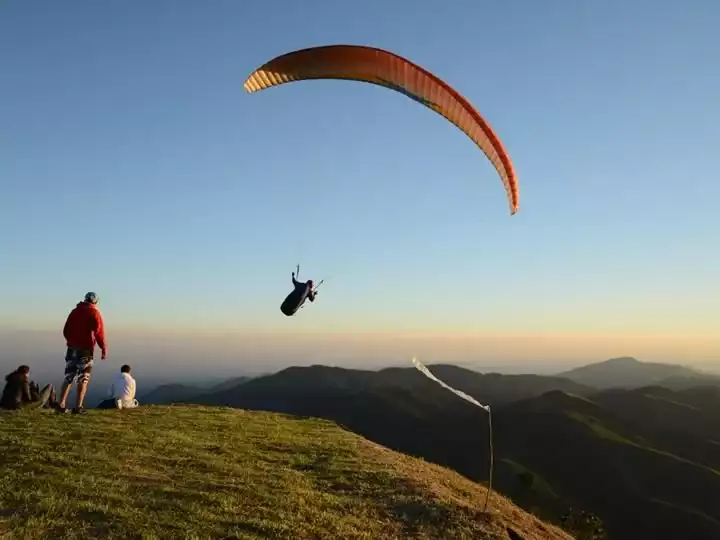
[{"x": 295, "y": 300}]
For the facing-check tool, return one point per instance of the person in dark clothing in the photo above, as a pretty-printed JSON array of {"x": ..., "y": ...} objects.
[
  {"x": 17, "y": 393},
  {"x": 294, "y": 301}
]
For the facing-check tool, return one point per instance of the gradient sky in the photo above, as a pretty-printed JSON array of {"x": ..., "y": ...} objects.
[{"x": 133, "y": 164}]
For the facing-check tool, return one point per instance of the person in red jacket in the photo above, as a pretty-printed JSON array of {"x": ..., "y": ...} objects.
[{"x": 84, "y": 328}]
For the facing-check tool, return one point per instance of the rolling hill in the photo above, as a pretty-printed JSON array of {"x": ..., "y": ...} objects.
[
  {"x": 686, "y": 423},
  {"x": 645, "y": 460},
  {"x": 195, "y": 472},
  {"x": 491, "y": 388},
  {"x": 170, "y": 393},
  {"x": 635, "y": 478},
  {"x": 627, "y": 372},
  {"x": 166, "y": 394}
]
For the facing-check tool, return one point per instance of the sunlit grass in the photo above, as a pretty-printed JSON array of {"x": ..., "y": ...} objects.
[{"x": 195, "y": 472}]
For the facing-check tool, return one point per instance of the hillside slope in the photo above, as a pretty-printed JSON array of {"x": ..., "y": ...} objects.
[
  {"x": 621, "y": 467},
  {"x": 179, "y": 472},
  {"x": 617, "y": 454}
]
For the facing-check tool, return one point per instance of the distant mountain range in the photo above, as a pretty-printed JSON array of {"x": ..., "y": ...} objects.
[
  {"x": 642, "y": 456},
  {"x": 497, "y": 388},
  {"x": 170, "y": 393},
  {"x": 628, "y": 372}
]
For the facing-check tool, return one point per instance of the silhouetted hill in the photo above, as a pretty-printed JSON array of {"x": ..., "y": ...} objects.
[
  {"x": 689, "y": 383},
  {"x": 164, "y": 472},
  {"x": 604, "y": 459},
  {"x": 643, "y": 460},
  {"x": 169, "y": 393},
  {"x": 230, "y": 383},
  {"x": 706, "y": 398},
  {"x": 628, "y": 372},
  {"x": 685, "y": 423},
  {"x": 492, "y": 388},
  {"x": 166, "y": 394}
]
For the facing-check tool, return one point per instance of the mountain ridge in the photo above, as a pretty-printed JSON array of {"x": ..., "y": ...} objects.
[{"x": 629, "y": 372}]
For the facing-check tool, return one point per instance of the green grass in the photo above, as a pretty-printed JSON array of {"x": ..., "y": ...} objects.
[
  {"x": 605, "y": 433},
  {"x": 600, "y": 430},
  {"x": 194, "y": 472},
  {"x": 539, "y": 484}
]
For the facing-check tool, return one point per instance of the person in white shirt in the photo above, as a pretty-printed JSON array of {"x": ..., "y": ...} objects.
[{"x": 122, "y": 390}]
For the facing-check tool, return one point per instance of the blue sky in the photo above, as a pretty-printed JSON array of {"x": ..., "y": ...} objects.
[{"x": 133, "y": 164}]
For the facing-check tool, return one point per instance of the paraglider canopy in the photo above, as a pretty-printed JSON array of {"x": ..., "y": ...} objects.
[{"x": 386, "y": 69}]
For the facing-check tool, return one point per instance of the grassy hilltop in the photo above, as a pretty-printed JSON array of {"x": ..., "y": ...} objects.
[{"x": 197, "y": 472}]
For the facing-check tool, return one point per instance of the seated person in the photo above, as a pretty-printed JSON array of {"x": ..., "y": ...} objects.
[
  {"x": 122, "y": 391},
  {"x": 17, "y": 393}
]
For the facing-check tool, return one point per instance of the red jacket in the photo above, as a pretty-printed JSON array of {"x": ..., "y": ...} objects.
[{"x": 84, "y": 327}]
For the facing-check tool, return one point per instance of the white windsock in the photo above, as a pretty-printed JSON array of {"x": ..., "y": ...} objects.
[{"x": 425, "y": 371}]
